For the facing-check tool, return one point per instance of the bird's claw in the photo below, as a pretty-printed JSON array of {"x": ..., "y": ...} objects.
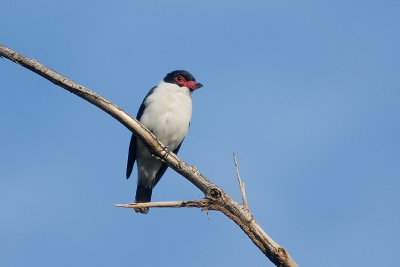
[{"x": 166, "y": 153}]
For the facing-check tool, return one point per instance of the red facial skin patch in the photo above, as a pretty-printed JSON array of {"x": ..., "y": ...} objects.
[{"x": 192, "y": 85}]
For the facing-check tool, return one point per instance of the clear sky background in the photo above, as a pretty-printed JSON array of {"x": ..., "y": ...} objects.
[{"x": 307, "y": 93}]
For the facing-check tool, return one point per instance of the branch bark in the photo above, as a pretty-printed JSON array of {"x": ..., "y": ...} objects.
[
  {"x": 215, "y": 197},
  {"x": 201, "y": 203}
]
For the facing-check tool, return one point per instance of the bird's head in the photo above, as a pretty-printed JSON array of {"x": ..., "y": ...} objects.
[{"x": 183, "y": 78}]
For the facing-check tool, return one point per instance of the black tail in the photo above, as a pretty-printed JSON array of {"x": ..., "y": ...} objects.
[{"x": 143, "y": 194}]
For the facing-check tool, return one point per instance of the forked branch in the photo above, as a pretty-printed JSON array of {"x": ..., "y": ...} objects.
[{"x": 216, "y": 198}]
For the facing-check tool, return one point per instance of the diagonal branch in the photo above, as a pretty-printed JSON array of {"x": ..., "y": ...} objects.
[{"x": 219, "y": 200}]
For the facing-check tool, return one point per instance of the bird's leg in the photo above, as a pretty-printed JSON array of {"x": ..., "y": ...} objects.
[{"x": 166, "y": 153}]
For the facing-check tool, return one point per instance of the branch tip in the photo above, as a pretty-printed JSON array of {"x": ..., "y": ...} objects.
[{"x": 241, "y": 183}]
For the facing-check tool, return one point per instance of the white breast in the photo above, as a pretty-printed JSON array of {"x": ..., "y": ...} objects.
[{"x": 168, "y": 113}]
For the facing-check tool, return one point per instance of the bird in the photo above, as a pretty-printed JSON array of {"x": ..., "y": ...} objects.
[{"x": 166, "y": 111}]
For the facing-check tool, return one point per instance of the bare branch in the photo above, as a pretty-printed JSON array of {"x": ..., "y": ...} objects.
[
  {"x": 218, "y": 199},
  {"x": 241, "y": 184},
  {"x": 201, "y": 203}
]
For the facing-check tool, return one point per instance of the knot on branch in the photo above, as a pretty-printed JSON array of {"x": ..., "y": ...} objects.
[
  {"x": 214, "y": 193},
  {"x": 282, "y": 252}
]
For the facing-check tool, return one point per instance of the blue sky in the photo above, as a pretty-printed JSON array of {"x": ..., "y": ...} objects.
[{"x": 307, "y": 93}]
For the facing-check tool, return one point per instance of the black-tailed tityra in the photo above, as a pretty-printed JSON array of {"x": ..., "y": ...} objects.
[{"x": 166, "y": 111}]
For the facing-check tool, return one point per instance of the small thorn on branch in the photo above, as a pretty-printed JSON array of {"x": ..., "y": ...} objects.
[{"x": 241, "y": 184}]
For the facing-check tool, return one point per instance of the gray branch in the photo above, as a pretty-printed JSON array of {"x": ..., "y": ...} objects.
[{"x": 215, "y": 197}]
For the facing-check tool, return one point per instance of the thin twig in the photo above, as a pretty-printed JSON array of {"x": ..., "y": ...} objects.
[{"x": 241, "y": 184}]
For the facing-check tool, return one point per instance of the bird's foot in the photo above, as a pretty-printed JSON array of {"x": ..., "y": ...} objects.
[{"x": 166, "y": 153}]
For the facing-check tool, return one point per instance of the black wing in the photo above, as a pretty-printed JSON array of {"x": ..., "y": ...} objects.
[
  {"x": 164, "y": 167},
  {"x": 133, "y": 143}
]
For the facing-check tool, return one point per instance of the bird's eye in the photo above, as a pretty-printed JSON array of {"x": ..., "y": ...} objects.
[{"x": 179, "y": 78}]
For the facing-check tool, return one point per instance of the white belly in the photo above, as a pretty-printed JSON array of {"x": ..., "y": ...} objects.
[{"x": 167, "y": 114}]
